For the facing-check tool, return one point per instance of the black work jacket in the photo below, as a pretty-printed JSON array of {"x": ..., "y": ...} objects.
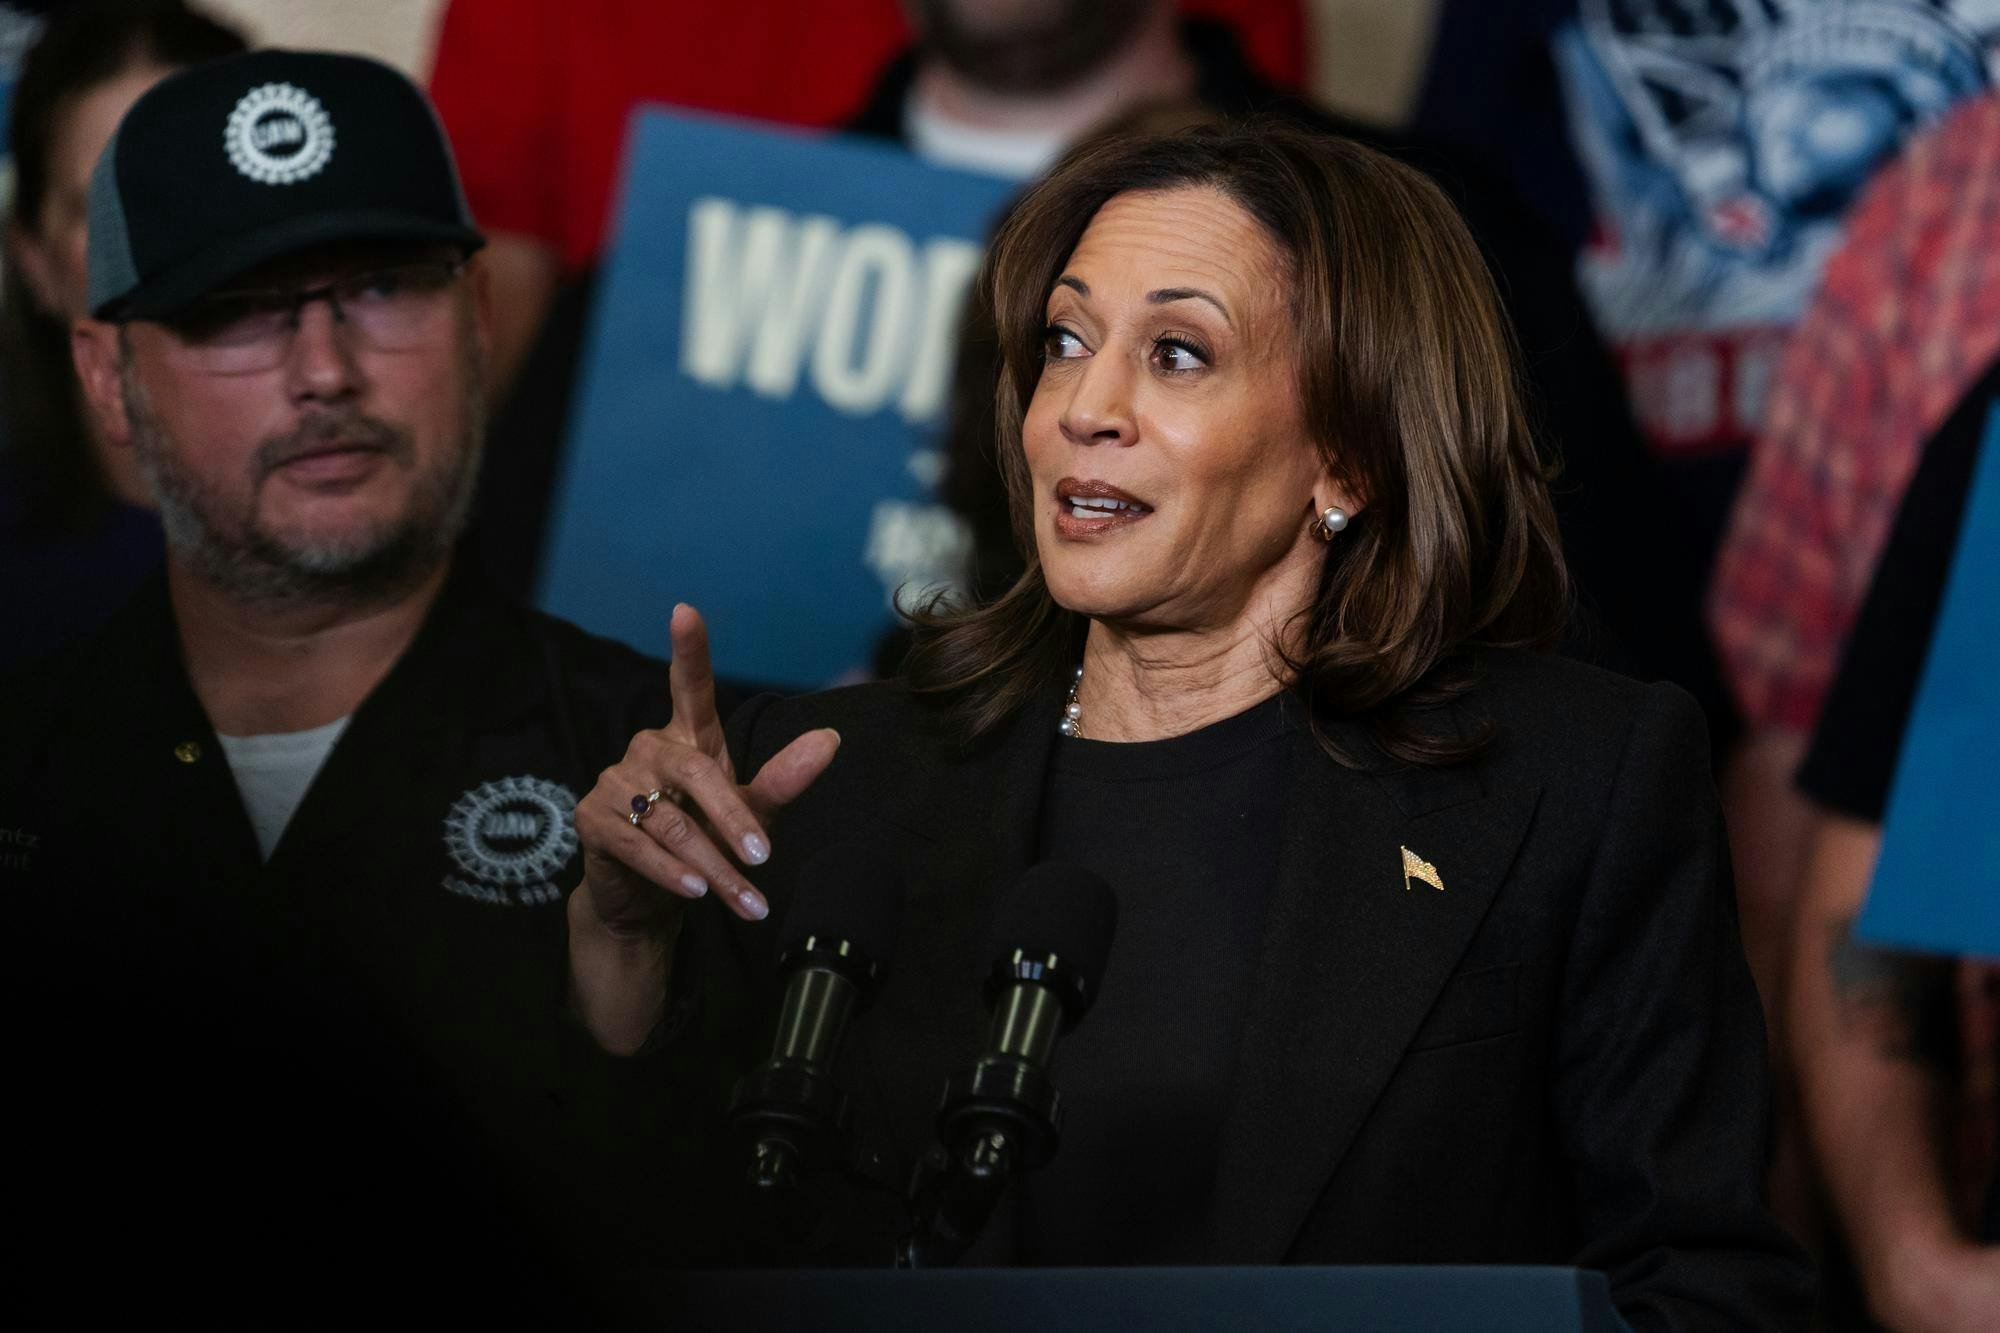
[{"x": 358, "y": 1053}]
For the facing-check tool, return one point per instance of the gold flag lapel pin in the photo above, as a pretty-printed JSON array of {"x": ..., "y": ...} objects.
[{"x": 1415, "y": 867}]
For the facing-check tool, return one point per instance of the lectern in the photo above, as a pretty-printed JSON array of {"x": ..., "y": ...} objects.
[{"x": 1169, "y": 1300}]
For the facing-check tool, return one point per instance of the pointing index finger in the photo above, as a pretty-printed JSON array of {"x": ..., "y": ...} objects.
[{"x": 692, "y": 681}]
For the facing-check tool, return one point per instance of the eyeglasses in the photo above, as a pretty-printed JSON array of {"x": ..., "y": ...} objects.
[{"x": 242, "y": 332}]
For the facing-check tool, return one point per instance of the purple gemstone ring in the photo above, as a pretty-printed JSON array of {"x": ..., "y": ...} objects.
[{"x": 642, "y": 805}]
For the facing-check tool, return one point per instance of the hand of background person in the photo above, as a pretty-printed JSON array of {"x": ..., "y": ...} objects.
[{"x": 637, "y": 876}]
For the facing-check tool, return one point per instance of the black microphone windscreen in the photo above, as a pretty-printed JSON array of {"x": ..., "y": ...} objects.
[
  {"x": 853, "y": 893},
  {"x": 1063, "y": 909}
]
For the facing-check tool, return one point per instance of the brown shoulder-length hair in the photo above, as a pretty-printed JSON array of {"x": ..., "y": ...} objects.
[{"x": 1409, "y": 383}]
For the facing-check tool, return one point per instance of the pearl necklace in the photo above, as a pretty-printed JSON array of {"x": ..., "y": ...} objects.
[{"x": 1072, "y": 718}]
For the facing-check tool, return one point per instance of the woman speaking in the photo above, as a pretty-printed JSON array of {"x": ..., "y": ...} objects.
[{"x": 1426, "y": 950}]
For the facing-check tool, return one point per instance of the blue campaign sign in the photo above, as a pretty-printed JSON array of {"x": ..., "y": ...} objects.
[
  {"x": 1937, "y": 884},
  {"x": 764, "y": 381}
]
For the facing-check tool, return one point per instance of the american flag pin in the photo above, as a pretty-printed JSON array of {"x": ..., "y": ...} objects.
[{"x": 1415, "y": 867}]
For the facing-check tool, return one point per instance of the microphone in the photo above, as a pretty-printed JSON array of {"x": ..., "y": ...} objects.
[
  {"x": 1003, "y": 1114},
  {"x": 836, "y": 943}
]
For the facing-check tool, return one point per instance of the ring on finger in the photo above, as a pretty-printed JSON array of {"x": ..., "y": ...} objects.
[{"x": 642, "y": 805}]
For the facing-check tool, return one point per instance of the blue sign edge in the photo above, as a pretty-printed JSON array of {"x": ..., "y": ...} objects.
[{"x": 1982, "y": 507}]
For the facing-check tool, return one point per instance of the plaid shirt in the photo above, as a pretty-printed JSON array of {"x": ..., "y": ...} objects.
[{"x": 1907, "y": 315}]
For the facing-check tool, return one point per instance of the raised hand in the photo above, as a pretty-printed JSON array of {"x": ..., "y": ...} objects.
[{"x": 665, "y": 824}]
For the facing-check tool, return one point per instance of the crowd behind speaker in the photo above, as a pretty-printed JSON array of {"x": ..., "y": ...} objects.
[{"x": 1748, "y": 257}]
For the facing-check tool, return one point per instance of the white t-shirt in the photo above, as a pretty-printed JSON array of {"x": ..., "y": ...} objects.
[
  {"x": 1008, "y": 153},
  {"x": 273, "y": 771}
]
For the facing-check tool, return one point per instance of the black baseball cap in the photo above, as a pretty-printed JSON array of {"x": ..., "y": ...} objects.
[{"x": 231, "y": 163}]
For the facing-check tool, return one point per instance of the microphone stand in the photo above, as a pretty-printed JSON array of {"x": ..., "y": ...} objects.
[
  {"x": 788, "y": 1109},
  {"x": 1000, "y": 1117}
]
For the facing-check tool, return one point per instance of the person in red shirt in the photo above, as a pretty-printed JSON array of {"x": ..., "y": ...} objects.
[{"x": 536, "y": 95}]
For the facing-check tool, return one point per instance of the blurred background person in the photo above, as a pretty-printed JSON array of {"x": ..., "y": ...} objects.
[
  {"x": 1907, "y": 314},
  {"x": 1906, "y": 317},
  {"x": 1701, "y": 159},
  {"x": 1005, "y": 87},
  {"x": 1898, "y": 1052},
  {"x": 536, "y": 96},
  {"x": 77, "y": 529}
]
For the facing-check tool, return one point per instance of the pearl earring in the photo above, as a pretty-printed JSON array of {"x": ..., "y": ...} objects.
[{"x": 1329, "y": 522}]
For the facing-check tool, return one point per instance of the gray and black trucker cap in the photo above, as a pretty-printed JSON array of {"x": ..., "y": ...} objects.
[{"x": 234, "y": 162}]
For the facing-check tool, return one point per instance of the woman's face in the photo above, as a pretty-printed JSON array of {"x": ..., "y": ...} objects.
[
  {"x": 50, "y": 249},
  {"x": 1174, "y": 481}
]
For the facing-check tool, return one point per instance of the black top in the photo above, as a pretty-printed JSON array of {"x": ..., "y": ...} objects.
[
  {"x": 1852, "y": 760},
  {"x": 1542, "y": 1046},
  {"x": 354, "y": 1057},
  {"x": 1186, "y": 833}
]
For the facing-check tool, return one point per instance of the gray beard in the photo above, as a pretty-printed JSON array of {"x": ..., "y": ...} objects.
[{"x": 226, "y": 546}]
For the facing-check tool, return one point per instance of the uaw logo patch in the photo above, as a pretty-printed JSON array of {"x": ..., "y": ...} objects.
[
  {"x": 509, "y": 839},
  {"x": 279, "y": 134}
]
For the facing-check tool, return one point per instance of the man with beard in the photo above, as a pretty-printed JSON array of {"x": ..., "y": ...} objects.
[
  {"x": 288, "y": 843},
  {"x": 1004, "y": 88}
]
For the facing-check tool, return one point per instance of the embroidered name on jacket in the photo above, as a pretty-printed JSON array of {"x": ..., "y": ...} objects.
[
  {"x": 509, "y": 840},
  {"x": 17, "y": 848}
]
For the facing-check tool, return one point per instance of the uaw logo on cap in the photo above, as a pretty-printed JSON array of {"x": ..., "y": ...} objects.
[
  {"x": 279, "y": 134},
  {"x": 511, "y": 838}
]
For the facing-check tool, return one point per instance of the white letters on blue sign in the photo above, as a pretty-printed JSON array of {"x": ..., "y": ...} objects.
[
  {"x": 748, "y": 284},
  {"x": 917, "y": 550},
  {"x": 884, "y": 254},
  {"x": 880, "y": 316}
]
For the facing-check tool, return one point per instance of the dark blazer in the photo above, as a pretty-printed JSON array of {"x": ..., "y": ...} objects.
[{"x": 1557, "y": 1058}]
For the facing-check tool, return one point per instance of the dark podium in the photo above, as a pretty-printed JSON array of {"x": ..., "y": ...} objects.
[{"x": 1262, "y": 1300}]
